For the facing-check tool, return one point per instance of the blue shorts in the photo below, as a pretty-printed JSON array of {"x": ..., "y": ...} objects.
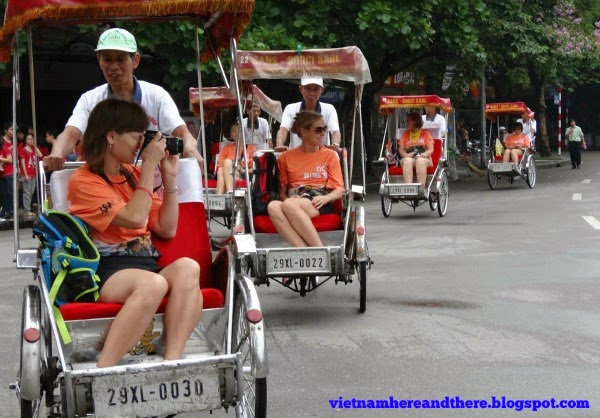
[{"x": 109, "y": 265}]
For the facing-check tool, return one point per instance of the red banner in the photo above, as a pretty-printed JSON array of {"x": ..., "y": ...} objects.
[
  {"x": 494, "y": 109},
  {"x": 409, "y": 102},
  {"x": 347, "y": 64},
  {"x": 233, "y": 15}
]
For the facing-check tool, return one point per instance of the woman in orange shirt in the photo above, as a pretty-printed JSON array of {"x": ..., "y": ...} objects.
[
  {"x": 225, "y": 163},
  {"x": 415, "y": 148},
  {"x": 116, "y": 199},
  {"x": 515, "y": 144},
  {"x": 310, "y": 180}
]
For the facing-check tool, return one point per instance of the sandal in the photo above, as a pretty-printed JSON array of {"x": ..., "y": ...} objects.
[{"x": 287, "y": 281}]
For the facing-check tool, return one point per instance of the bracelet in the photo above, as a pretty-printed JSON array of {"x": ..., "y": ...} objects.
[
  {"x": 143, "y": 189},
  {"x": 170, "y": 191}
]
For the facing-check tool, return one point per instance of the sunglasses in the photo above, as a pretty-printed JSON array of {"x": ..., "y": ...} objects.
[{"x": 320, "y": 129}]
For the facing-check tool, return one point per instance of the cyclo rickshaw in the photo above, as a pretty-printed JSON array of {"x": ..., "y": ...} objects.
[
  {"x": 393, "y": 189},
  {"x": 215, "y": 102},
  {"x": 497, "y": 169},
  {"x": 225, "y": 363},
  {"x": 264, "y": 254}
]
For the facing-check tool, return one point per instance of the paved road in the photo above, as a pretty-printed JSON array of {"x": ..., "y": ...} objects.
[{"x": 498, "y": 298}]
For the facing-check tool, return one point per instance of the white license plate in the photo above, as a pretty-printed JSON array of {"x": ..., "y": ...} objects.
[
  {"x": 298, "y": 261},
  {"x": 502, "y": 167},
  {"x": 404, "y": 190},
  {"x": 156, "y": 393},
  {"x": 217, "y": 202}
]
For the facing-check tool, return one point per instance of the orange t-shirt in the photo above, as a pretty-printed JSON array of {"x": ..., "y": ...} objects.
[
  {"x": 97, "y": 203},
  {"x": 318, "y": 169},
  {"x": 228, "y": 151},
  {"x": 423, "y": 140},
  {"x": 517, "y": 141}
]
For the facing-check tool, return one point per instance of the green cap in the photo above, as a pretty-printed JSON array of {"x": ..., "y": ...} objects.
[{"x": 117, "y": 39}]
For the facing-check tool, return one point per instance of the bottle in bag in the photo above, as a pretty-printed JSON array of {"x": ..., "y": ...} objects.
[{"x": 56, "y": 252}]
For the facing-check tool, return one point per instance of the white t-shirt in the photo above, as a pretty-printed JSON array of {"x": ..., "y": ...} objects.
[
  {"x": 327, "y": 111},
  {"x": 437, "y": 124},
  {"x": 254, "y": 135},
  {"x": 161, "y": 109},
  {"x": 529, "y": 128}
]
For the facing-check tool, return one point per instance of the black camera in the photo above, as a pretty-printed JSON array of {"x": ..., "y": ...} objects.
[{"x": 174, "y": 144}]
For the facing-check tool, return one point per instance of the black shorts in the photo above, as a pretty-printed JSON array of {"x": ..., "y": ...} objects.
[
  {"x": 109, "y": 265},
  {"x": 325, "y": 209}
]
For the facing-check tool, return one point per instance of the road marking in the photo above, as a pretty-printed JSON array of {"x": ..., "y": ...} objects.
[
  {"x": 576, "y": 196},
  {"x": 586, "y": 181},
  {"x": 595, "y": 223}
]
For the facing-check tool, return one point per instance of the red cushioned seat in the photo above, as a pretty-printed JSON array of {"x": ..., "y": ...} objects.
[
  {"x": 212, "y": 184},
  {"x": 191, "y": 240},
  {"x": 435, "y": 158},
  {"x": 322, "y": 223},
  {"x": 499, "y": 158},
  {"x": 213, "y": 298}
]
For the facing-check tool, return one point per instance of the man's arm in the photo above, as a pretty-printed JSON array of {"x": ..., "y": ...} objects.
[
  {"x": 190, "y": 144},
  {"x": 280, "y": 140},
  {"x": 336, "y": 140},
  {"x": 64, "y": 142}
]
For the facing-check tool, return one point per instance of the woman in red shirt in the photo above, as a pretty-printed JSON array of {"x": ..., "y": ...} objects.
[
  {"x": 415, "y": 148},
  {"x": 310, "y": 179},
  {"x": 515, "y": 144}
]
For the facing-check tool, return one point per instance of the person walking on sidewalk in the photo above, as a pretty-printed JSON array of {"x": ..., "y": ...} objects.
[
  {"x": 6, "y": 175},
  {"x": 575, "y": 139},
  {"x": 28, "y": 158}
]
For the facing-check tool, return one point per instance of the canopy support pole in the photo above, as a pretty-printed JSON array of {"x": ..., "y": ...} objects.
[
  {"x": 202, "y": 129},
  {"x": 238, "y": 96}
]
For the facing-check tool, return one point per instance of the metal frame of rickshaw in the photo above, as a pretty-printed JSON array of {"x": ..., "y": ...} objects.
[
  {"x": 498, "y": 170},
  {"x": 228, "y": 344},
  {"x": 345, "y": 251},
  {"x": 216, "y": 100},
  {"x": 392, "y": 188}
]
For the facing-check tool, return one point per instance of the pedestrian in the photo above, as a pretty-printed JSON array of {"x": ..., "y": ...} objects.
[
  {"x": 28, "y": 157},
  {"x": 6, "y": 175},
  {"x": 529, "y": 127},
  {"x": 256, "y": 129},
  {"x": 575, "y": 139},
  {"x": 118, "y": 58},
  {"x": 311, "y": 89}
]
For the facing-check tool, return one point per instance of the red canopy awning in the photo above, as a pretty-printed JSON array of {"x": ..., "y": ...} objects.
[
  {"x": 220, "y": 98},
  {"x": 225, "y": 18},
  {"x": 387, "y": 103},
  {"x": 346, "y": 63},
  {"x": 494, "y": 109}
]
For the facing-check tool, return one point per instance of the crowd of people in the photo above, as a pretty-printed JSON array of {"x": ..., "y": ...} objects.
[{"x": 28, "y": 154}]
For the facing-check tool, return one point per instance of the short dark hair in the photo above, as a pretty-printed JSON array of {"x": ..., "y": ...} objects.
[
  {"x": 416, "y": 118},
  {"x": 52, "y": 131},
  {"x": 518, "y": 125},
  {"x": 110, "y": 115}
]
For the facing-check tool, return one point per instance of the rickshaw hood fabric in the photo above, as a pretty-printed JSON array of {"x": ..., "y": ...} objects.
[{"x": 231, "y": 16}]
